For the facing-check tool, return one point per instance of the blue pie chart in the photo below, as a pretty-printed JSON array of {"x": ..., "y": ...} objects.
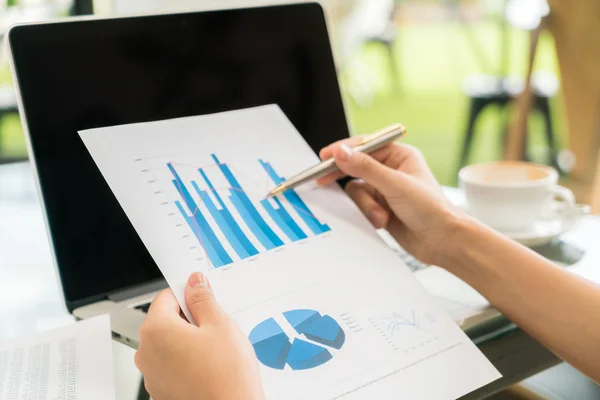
[{"x": 316, "y": 336}]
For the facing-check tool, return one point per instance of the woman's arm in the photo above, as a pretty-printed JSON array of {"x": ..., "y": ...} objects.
[
  {"x": 398, "y": 192},
  {"x": 559, "y": 309}
]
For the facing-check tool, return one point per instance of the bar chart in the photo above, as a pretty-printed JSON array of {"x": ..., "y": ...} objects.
[{"x": 209, "y": 214}]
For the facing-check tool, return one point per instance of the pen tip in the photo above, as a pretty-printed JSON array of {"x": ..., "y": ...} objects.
[{"x": 278, "y": 189}]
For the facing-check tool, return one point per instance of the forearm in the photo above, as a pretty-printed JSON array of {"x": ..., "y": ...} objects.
[{"x": 559, "y": 309}]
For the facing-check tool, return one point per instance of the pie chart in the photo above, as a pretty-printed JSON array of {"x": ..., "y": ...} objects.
[{"x": 315, "y": 336}]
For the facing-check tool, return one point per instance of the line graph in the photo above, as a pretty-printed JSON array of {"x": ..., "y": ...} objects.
[
  {"x": 406, "y": 331},
  {"x": 211, "y": 211},
  {"x": 396, "y": 322}
]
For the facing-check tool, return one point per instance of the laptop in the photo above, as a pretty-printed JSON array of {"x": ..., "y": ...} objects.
[{"x": 82, "y": 74}]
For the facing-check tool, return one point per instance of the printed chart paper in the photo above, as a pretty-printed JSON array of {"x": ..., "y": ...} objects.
[
  {"x": 330, "y": 310},
  {"x": 69, "y": 363}
]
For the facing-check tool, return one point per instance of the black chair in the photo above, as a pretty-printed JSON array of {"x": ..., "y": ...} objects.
[
  {"x": 487, "y": 91},
  {"x": 500, "y": 90}
]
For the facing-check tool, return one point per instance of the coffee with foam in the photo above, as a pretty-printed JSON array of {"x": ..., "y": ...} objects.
[
  {"x": 512, "y": 196},
  {"x": 506, "y": 172}
]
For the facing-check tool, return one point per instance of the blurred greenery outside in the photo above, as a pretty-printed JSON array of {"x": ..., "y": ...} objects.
[{"x": 433, "y": 60}]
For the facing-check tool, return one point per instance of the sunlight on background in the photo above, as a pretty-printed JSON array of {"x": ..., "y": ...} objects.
[
  {"x": 433, "y": 61},
  {"x": 434, "y": 55}
]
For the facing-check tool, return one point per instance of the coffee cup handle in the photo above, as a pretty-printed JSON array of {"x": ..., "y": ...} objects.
[{"x": 560, "y": 204}]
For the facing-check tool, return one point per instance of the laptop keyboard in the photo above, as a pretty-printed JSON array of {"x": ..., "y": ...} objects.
[
  {"x": 143, "y": 307},
  {"x": 412, "y": 263}
]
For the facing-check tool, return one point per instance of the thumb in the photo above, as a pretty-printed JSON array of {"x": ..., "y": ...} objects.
[
  {"x": 365, "y": 167},
  {"x": 200, "y": 299}
]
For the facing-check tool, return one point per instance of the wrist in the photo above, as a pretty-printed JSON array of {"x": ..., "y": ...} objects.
[{"x": 463, "y": 236}]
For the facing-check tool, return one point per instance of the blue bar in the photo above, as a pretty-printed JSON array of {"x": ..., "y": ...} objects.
[
  {"x": 229, "y": 220},
  {"x": 225, "y": 170},
  {"x": 284, "y": 220},
  {"x": 246, "y": 209},
  {"x": 271, "y": 172},
  {"x": 206, "y": 245},
  {"x": 279, "y": 220},
  {"x": 304, "y": 212},
  {"x": 206, "y": 233},
  {"x": 300, "y": 207},
  {"x": 237, "y": 231},
  {"x": 222, "y": 223},
  {"x": 267, "y": 237},
  {"x": 212, "y": 188}
]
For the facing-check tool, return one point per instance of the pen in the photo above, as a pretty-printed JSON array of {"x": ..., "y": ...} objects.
[{"x": 368, "y": 144}]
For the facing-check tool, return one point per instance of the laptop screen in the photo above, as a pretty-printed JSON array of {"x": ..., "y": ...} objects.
[{"x": 86, "y": 74}]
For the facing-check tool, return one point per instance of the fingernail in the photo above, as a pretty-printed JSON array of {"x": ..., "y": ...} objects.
[
  {"x": 197, "y": 279},
  {"x": 346, "y": 152}
]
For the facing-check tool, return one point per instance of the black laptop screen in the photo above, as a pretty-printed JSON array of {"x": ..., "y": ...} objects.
[{"x": 87, "y": 74}]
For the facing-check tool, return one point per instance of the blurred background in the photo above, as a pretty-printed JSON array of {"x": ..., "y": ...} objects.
[
  {"x": 472, "y": 80},
  {"x": 436, "y": 66}
]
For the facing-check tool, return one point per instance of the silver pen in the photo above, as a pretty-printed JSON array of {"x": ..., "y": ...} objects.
[{"x": 368, "y": 144}]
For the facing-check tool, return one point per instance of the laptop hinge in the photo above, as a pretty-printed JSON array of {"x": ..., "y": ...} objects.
[{"x": 138, "y": 290}]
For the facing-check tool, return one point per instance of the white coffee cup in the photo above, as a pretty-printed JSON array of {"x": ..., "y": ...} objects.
[{"x": 512, "y": 196}]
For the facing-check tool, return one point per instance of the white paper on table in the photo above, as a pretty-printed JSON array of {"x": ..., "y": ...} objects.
[
  {"x": 392, "y": 338},
  {"x": 69, "y": 363}
]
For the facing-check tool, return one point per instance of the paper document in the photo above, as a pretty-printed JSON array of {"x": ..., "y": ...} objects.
[
  {"x": 69, "y": 363},
  {"x": 330, "y": 310}
]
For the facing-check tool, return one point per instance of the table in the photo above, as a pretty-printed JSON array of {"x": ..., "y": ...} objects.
[{"x": 32, "y": 299}]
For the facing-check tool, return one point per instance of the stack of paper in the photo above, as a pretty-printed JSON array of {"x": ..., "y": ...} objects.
[{"x": 70, "y": 363}]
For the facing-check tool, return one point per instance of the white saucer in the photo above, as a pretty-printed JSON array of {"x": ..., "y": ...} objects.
[{"x": 545, "y": 231}]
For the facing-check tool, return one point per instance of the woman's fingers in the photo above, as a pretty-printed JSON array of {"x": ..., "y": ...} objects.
[
  {"x": 329, "y": 152},
  {"x": 330, "y": 178},
  {"x": 201, "y": 300},
  {"x": 365, "y": 198}
]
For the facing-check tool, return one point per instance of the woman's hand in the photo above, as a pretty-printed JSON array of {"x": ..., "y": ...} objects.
[
  {"x": 397, "y": 191},
  {"x": 178, "y": 360}
]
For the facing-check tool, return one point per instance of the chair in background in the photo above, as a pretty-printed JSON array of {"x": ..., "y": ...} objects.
[
  {"x": 387, "y": 37},
  {"x": 485, "y": 91},
  {"x": 369, "y": 21},
  {"x": 488, "y": 91},
  {"x": 82, "y": 7}
]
